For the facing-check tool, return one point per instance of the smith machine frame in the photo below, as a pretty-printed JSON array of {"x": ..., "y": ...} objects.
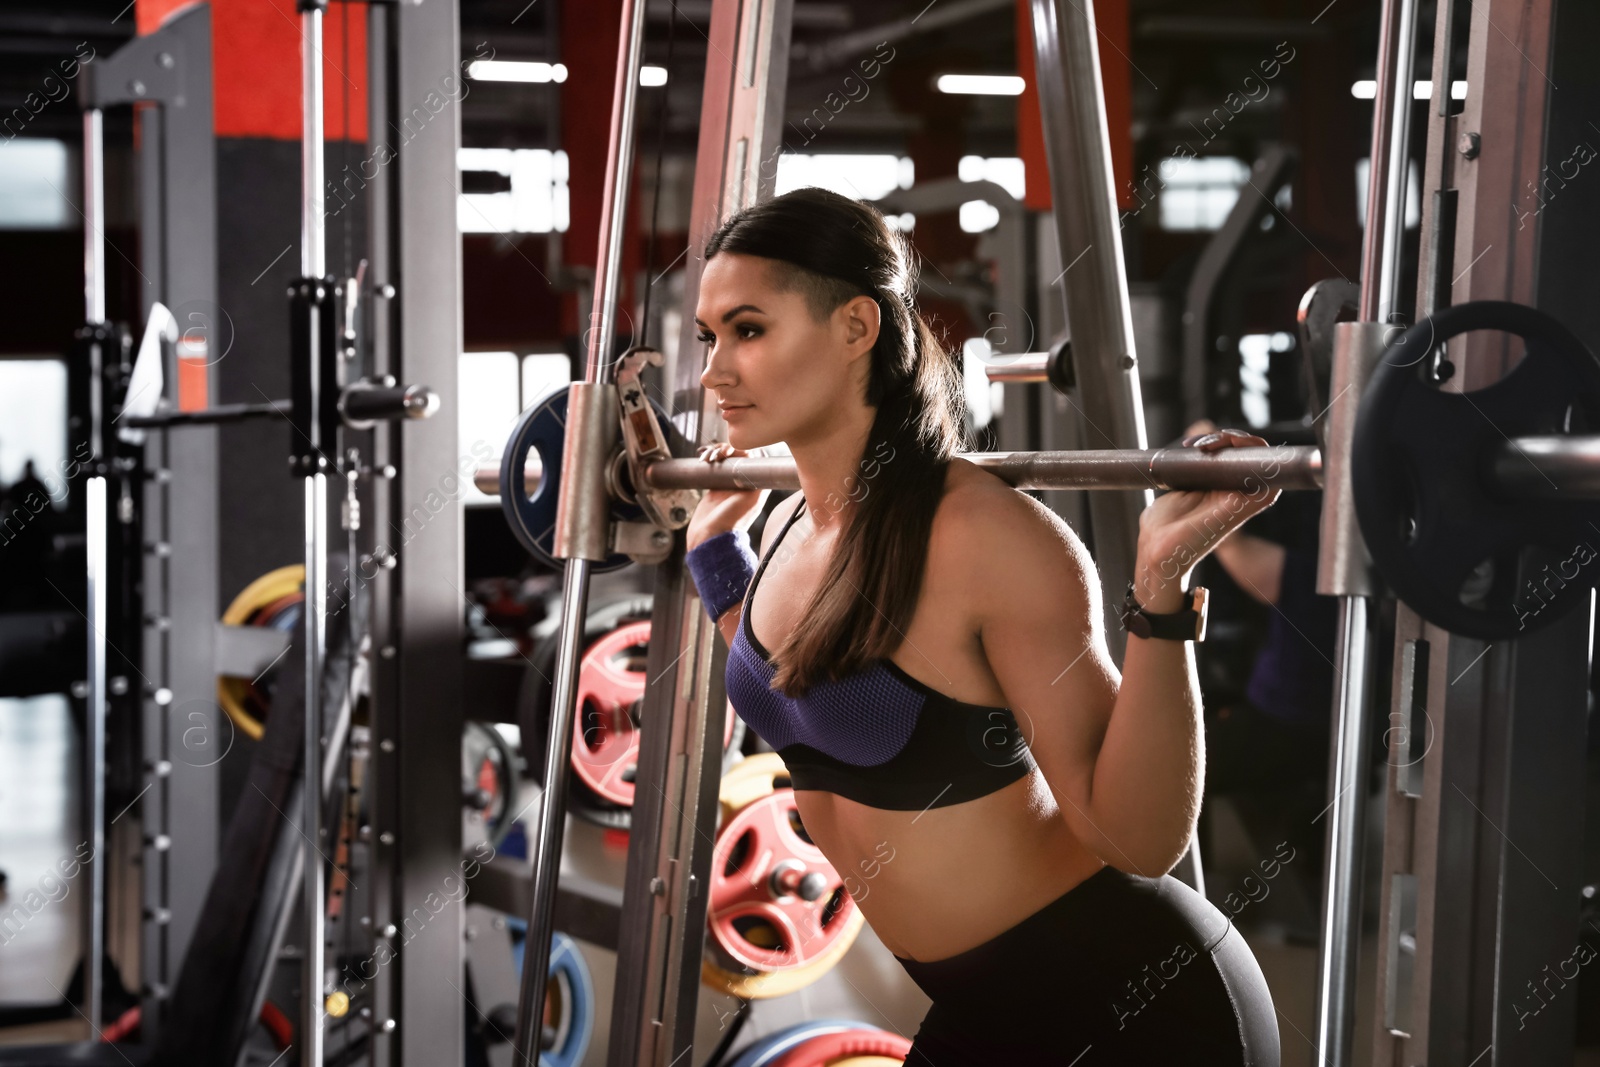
[
  {"x": 412, "y": 330},
  {"x": 652, "y": 1021},
  {"x": 1448, "y": 957}
]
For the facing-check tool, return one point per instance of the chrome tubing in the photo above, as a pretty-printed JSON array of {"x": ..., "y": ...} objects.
[
  {"x": 313, "y": 264},
  {"x": 1346, "y": 577},
  {"x": 96, "y": 536},
  {"x": 574, "y": 515}
]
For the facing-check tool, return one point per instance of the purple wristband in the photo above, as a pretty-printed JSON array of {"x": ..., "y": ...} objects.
[{"x": 723, "y": 567}]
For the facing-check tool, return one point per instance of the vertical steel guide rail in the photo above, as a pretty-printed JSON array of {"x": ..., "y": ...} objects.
[
  {"x": 313, "y": 266},
  {"x": 1095, "y": 282},
  {"x": 1343, "y": 567},
  {"x": 96, "y": 534},
  {"x": 581, "y": 527}
]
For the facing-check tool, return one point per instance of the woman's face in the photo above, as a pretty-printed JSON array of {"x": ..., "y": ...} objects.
[{"x": 776, "y": 372}]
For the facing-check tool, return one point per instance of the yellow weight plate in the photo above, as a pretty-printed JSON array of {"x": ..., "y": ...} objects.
[
  {"x": 776, "y": 984},
  {"x": 751, "y": 779},
  {"x": 274, "y": 585},
  {"x": 270, "y": 587}
]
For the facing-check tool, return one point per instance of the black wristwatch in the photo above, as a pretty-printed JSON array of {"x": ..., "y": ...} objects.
[{"x": 1186, "y": 625}]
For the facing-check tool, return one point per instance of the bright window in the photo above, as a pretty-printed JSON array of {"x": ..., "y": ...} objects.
[
  {"x": 864, "y": 177},
  {"x": 1413, "y": 192},
  {"x": 1197, "y": 194},
  {"x": 1005, "y": 171},
  {"x": 985, "y": 399},
  {"x": 542, "y": 372},
  {"x": 35, "y": 186},
  {"x": 536, "y": 202},
  {"x": 496, "y": 387},
  {"x": 33, "y": 412},
  {"x": 1255, "y": 360}
]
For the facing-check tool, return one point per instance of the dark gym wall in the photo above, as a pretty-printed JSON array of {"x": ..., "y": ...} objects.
[
  {"x": 258, "y": 218},
  {"x": 256, "y": 87},
  {"x": 589, "y": 33},
  {"x": 1570, "y": 226}
]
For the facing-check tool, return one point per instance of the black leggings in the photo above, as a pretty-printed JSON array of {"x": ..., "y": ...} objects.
[{"x": 1120, "y": 970}]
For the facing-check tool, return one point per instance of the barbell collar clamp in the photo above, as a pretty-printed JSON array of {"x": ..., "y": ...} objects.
[
  {"x": 645, "y": 441},
  {"x": 645, "y": 542}
]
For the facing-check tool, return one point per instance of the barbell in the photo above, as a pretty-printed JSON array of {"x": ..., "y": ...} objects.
[{"x": 1461, "y": 496}]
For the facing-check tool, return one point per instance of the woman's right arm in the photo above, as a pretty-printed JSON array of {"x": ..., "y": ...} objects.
[
  {"x": 719, "y": 557},
  {"x": 729, "y": 623}
]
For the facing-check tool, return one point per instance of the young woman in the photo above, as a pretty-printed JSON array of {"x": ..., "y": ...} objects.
[{"x": 927, "y": 656}]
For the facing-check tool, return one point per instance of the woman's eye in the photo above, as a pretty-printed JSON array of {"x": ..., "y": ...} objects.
[{"x": 755, "y": 331}]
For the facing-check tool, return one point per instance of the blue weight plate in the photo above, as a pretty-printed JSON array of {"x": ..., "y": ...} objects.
[
  {"x": 567, "y": 963},
  {"x": 567, "y": 966},
  {"x": 542, "y": 429}
]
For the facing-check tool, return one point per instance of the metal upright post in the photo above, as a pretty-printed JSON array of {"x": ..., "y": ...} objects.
[
  {"x": 415, "y": 253},
  {"x": 171, "y": 68},
  {"x": 581, "y": 538},
  {"x": 312, "y": 269},
  {"x": 95, "y": 533},
  {"x": 1078, "y": 146},
  {"x": 1344, "y": 569},
  {"x": 1077, "y": 142},
  {"x": 1386, "y": 175},
  {"x": 94, "y": 207},
  {"x": 655, "y": 1005},
  {"x": 1481, "y": 859}
]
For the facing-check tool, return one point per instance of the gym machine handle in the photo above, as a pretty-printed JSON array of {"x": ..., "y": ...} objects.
[
  {"x": 1053, "y": 366},
  {"x": 366, "y": 403},
  {"x": 209, "y": 417}
]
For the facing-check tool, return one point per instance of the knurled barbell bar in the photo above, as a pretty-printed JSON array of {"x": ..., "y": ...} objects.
[{"x": 1462, "y": 496}]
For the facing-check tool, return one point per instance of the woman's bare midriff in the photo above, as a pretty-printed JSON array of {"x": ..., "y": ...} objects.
[{"x": 937, "y": 882}]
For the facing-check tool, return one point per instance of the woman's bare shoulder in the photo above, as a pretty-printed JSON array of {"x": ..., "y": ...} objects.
[
  {"x": 984, "y": 517},
  {"x": 974, "y": 495}
]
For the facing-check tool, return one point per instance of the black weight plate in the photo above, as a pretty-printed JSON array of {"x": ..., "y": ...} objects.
[
  {"x": 480, "y": 741},
  {"x": 1457, "y": 552}
]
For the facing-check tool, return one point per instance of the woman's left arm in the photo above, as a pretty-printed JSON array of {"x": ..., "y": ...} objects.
[{"x": 1123, "y": 753}]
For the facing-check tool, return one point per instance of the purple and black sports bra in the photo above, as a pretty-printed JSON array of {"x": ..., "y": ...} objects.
[{"x": 880, "y": 736}]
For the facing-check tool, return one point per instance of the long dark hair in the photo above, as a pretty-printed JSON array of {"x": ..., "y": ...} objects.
[{"x": 833, "y": 248}]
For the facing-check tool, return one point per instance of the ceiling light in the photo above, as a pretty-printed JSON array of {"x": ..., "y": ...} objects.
[
  {"x": 1422, "y": 90},
  {"x": 980, "y": 84},
  {"x": 512, "y": 70}
]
